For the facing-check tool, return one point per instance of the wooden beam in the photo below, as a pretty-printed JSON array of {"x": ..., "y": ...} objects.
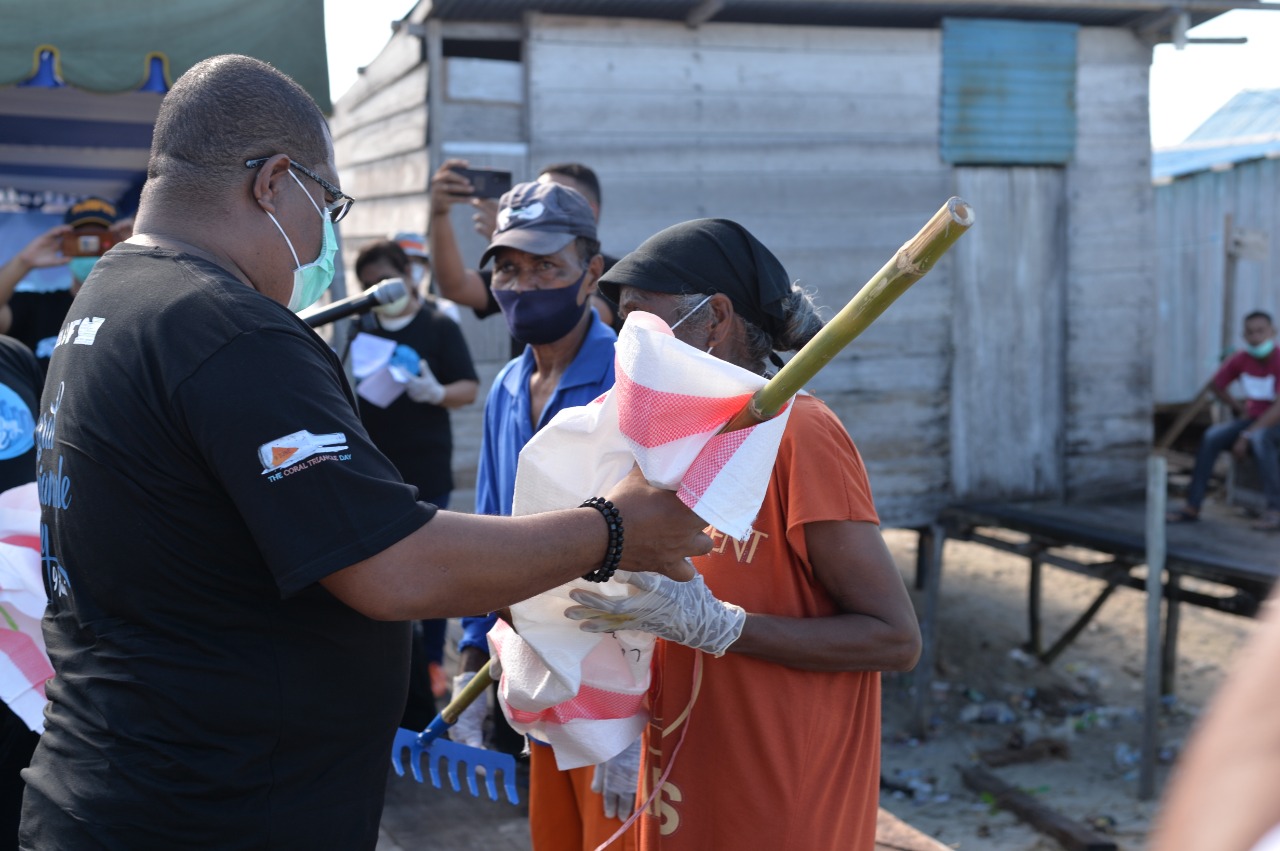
[
  {"x": 1073, "y": 836},
  {"x": 1189, "y": 413},
  {"x": 483, "y": 31},
  {"x": 929, "y": 580},
  {"x": 703, "y": 12},
  {"x": 1157, "y": 546}
]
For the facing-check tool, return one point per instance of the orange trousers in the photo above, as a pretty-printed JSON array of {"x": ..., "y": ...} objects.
[{"x": 564, "y": 814}]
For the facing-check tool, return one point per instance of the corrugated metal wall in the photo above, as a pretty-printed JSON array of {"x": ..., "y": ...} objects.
[{"x": 1192, "y": 241}]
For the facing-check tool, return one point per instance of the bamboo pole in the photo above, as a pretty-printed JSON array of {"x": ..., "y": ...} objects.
[
  {"x": 467, "y": 696},
  {"x": 1157, "y": 552},
  {"x": 915, "y": 258}
]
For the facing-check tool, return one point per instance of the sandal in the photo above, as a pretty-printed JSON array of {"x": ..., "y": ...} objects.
[
  {"x": 1182, "y": 515},
  {"x": 1270, "y": 522}
]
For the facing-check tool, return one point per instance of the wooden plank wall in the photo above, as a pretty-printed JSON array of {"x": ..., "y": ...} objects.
[
  {"x": 1111, "y": 269},
  {"x": 380, "y": 145},
  {"x": 822, "y": 141},
  {"x": 380, "y": 133},
  {"x": 1007, "y": 387},
  {"x": 1190, "y": 234}
]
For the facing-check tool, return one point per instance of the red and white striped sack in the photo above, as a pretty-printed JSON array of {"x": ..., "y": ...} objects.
[
  {"x": 584, "y": 693},
  {"x": 24, "y": 662}
]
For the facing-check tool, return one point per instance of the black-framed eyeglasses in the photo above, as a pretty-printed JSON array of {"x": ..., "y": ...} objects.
[{"x": 338, "y": 207}]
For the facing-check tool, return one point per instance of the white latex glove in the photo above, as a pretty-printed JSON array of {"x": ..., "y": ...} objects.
[
  {"x": 469, "y": 728},
  {"x": 615, "y": 780},
  {"x": 683, "y": 612},
  {"x": 424, "y": 387}
]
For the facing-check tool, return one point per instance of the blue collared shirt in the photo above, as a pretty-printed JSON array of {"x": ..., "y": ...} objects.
[{"x": 508, "y": 426}]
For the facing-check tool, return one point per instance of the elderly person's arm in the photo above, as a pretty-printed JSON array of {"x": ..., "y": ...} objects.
[{"x": 876, "y": 629}]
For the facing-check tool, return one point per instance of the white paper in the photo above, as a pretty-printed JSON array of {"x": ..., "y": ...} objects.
[
  {"x": 370, "y": 353},
  {"x": 381, "y": 388}
]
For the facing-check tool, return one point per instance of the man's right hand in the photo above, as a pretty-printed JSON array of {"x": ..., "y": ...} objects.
[
  {"x": 45, "y": 250},
  {"x": 485, "y": 218},
  {"x": 449, "y": 188},
  {"x": 659, "y": 531}
]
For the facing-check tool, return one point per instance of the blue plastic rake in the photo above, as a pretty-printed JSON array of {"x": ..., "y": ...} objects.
[{"x": 459, "y": 759}]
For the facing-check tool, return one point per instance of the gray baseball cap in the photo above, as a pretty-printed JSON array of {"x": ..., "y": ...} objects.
[{"x": 540, "y": 218}]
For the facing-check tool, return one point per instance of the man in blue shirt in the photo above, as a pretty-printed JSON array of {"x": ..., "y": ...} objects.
[{"x": 546, "y": 264}]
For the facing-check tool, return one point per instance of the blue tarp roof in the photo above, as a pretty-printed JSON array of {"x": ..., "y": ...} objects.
[{"x": 1246, "y": 128}]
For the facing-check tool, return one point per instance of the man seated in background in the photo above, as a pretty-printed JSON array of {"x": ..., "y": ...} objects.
[
  {"x": 414, "y": 245},
  {"x": 1256, "y": 425}
]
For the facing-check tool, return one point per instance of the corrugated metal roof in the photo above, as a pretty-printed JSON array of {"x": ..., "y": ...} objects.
[
  {"x": 886, "y": 13},
  {"x": 1246, "y": 128},
  {"x": 1252, "y": 113}
]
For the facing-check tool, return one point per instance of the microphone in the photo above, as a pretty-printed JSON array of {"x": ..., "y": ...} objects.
[{"x": 383, "y": 293}]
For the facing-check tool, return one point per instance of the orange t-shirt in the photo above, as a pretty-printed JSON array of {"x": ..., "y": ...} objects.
[{"x": 771, "y": 757}]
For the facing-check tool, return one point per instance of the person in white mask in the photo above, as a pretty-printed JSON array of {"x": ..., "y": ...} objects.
[
  {"x": 232, "y": 566},
  {"x": 413, "y": 429},
  {"x": 415, "y": 248},
  {"x": 1255, "y": 427}
]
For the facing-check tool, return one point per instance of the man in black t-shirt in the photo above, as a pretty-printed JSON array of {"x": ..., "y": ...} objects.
[{"x": 230, "y": 563}]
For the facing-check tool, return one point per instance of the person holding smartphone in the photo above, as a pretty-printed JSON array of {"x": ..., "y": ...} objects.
[
  {"x": 89, "y": 229},
  {"x": 459, "y": 282}
]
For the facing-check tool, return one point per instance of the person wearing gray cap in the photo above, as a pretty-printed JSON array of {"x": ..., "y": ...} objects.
[{"x": 546, "y": 263}]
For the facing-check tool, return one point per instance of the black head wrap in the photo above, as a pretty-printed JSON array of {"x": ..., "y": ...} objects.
[{"x": 708, "y": 256}]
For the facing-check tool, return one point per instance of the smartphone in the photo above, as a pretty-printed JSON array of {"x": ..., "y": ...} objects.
[
  {"x": 486, "y": 182},
  {"x": 83, "y": 243}
]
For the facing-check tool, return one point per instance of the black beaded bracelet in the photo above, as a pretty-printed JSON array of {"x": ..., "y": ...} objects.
[{"x": 612, "y": 555}]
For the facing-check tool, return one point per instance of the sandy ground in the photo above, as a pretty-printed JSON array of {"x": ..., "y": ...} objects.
[{"x": 988, "y": 693}]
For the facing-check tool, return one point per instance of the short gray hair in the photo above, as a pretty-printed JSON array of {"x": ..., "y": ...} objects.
[{"x": 802, "y": 322}]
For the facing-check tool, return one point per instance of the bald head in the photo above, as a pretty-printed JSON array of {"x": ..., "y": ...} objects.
[{"x": 222, "y": 112}]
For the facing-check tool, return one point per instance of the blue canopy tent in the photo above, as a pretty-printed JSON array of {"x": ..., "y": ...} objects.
[{"x": 81, "y": 83}]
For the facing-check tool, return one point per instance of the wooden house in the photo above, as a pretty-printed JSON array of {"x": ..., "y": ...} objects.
[
  {"x": 1217, "y": 219},
  {"x": 1020, "y": 367}
]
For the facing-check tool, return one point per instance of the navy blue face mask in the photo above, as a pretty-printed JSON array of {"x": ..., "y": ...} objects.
[{"x": 537, "y": 317}]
